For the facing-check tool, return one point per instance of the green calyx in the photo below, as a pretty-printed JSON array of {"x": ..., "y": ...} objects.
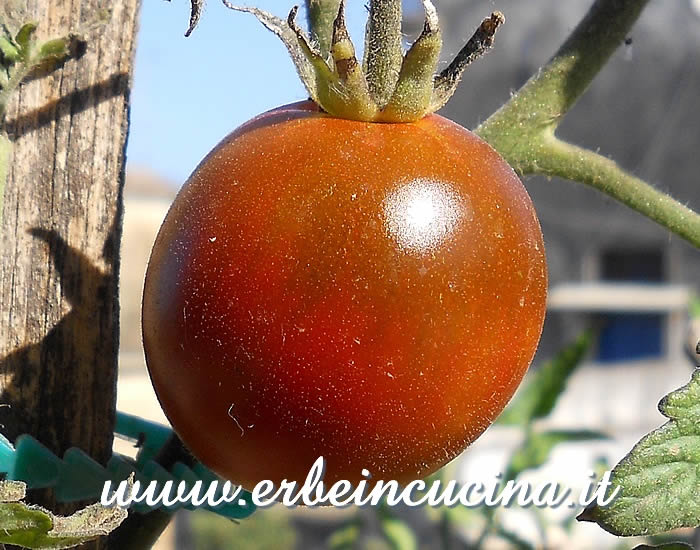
[{"x": 388, "y": 86}]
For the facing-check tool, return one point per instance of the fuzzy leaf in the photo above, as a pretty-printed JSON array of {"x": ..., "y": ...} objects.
[
  {"x": 12, "y": 491},
  {"x": 539, "y": 396},
  {"x": 536, "y": 449},
  {"x": 659, "y": 479},
  {"x": 22, "y": 525},
  {"x": 56, "y": 48},
  {"x": 9, "y": 50},
  {"x": 24, "y": 37},
  {"x": 34, "y": 527}
]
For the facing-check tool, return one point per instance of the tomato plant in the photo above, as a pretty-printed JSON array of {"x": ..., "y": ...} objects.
[{"x": 372, "y": 293}]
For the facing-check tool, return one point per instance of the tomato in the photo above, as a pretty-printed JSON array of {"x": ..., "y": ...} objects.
[{"x": 372, "y": 293}]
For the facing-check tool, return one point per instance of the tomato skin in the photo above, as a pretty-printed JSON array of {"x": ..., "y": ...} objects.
[{"x": 372, "y": 293}]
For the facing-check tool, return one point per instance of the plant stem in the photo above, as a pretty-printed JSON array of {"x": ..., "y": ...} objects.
[
  {"x": 18, "y": 74},
  {"x": 322, "y": 14},
  {"x": 141, "y": 531},
  {"x": 523, "y": 129},
  {"x": 551, "y": 92},
  {"x": 445, "y": 531},
  {"x": 558, "y": 158},
  {"x": 383, "y": 51}
]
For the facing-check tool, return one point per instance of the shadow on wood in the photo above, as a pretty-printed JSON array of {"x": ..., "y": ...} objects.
[
  {"x": 114, "y": 86},
  {"x": 51, "y": 385}
]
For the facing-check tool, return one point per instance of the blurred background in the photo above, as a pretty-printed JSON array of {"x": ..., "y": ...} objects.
[{"x": 609, "y": 267}]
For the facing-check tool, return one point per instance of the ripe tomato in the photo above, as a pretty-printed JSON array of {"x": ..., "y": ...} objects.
[{"x": 372, "y": 293}]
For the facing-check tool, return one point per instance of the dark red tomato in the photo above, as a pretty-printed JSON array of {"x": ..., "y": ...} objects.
[{"x": 371, "y": 293}]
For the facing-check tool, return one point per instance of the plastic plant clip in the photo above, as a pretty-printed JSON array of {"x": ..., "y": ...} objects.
[{"x": 76, "y": 476}]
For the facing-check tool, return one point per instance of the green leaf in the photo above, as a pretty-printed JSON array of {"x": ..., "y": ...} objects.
[
  {"x": 399, "y": 535},
  {"x": 34, "y": 527},
  {"x": 537, "y": 397},
  {"x": 462, "y": 515},
  {"x": 537, "y": 447},
  {"x": 8, "y": 50},
  {"x": 24, "y": 38},
  {"x": 22, "y": 525},
  {"x": 694, "y": 307},
  {"x": 56, "y": 48},
  {"x": 659, "y": 479},
  {"x": 344, "y": 538}
]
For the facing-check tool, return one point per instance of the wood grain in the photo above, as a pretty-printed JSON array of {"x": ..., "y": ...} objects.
[{"x": 60, "y": 236}]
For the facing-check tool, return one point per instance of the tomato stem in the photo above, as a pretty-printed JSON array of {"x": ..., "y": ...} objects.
[
  {"x": 413, "y": 91},
  {"x": 322, "y": 14},
  {"x": 388, "y": 87},
  {"x": 551, "y": 92},
  {"x": 523, "y": 129},
  {"x": 383, "y": 52},
  {"x": 558, "y": 158}
]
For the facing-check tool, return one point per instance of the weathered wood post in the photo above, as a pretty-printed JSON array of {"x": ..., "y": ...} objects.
[{"x": 60, "y": 235}]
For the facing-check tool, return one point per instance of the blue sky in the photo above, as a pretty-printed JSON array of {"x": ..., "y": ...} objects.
[{"x": 189, "y": 93}]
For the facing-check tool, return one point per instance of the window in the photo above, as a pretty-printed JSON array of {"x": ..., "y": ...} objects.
[
  {"x": 636, "y": 266},
  {"x": 627, "y": 336}
]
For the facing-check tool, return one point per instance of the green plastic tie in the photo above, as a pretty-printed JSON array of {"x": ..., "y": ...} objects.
[{"x": 79, "y": 477}]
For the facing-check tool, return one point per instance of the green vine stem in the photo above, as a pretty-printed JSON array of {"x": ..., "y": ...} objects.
[
  {"x": 558, "y": 158},
  {"x": 523, "y": 129},
  {"x": 383, "y": 55},
  {"x": 383, "y": 52},
  {"x": 141, "y": 531},
  {"x": 322, "y": 14},
  {"x": 6, "y": 91}
]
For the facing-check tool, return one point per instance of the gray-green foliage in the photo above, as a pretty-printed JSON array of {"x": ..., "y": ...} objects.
[
  {"x": 536, "y": 399},
  {"x": 659, "y": 479},
  {"x": 33, "y": 527}
]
